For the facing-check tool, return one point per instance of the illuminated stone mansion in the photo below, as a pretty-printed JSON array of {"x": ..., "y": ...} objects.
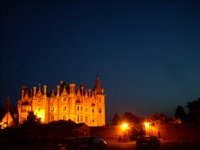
[{"x": 67, "y": 102}]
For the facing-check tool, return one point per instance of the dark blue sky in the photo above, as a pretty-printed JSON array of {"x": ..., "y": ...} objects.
[{"x": 145, "y": 52}]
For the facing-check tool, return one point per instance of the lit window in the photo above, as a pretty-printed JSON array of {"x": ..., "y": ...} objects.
[{"x": 64, "y": 117}]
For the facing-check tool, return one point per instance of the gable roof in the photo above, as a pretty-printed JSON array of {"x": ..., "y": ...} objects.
[{"x": 7, "y": 120}]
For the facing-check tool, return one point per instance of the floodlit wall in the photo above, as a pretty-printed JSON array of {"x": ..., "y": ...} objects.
[{"x": 180, "y": 132}]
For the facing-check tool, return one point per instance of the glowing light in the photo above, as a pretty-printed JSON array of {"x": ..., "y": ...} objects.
[
  {"x": 124, "y": 126},
  {"x": 147, "y": 125},
  {"x": 40, "y": 114}
]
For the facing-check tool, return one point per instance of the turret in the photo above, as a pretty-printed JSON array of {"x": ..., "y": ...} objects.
[
  {"x": 34, "y": 90},
  {"x": 72, "y": 88},
  {"x": 97, "y": 86}
]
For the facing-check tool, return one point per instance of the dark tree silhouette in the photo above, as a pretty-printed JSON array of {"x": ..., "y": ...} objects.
[
  {"x": 194, "y": 110},
  {"x": 180, "y": 114},
  {"x": 62, "y": 124},
  {"x": 115, "y": 119},
  {"x": 130, "y": 117},
  {"x": 160, "y": 118},
  {"x": 32, "y": 121}
]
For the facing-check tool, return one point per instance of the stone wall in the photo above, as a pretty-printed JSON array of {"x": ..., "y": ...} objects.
[{"x": 180, "y": 132}]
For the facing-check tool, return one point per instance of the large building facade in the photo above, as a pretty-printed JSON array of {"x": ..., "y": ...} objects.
[{"x": 66, "y": 102}]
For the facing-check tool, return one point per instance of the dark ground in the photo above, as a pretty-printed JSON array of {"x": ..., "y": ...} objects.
[{"x": 111, "y": 146}]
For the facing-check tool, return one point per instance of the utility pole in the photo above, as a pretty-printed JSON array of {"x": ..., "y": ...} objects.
[{"x": 7, "y": 106}]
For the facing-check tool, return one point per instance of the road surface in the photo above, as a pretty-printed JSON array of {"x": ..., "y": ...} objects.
[{"x": 111, "y": 146}]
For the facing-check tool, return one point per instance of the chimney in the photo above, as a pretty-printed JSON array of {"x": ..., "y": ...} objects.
[
  {"x": 58, "y": 90},
  {"x": 34, "y": 90},
  {"x": 45, "y": 89}
]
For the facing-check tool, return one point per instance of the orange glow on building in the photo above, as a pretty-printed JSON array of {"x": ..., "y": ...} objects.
[
  {"x": 80, "y": 105},
  {"x": 41, "y": 115}
]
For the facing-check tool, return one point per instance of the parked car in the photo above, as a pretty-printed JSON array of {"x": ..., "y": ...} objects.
[
  {"x": 67, "y": 144},
  {"x": 83, "y": 143},
  {"x": 93, "y": 143},
  {"x": 147, "y": 142}
]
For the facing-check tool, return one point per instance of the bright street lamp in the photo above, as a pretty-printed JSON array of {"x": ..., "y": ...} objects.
[{"x": 124, "y": 126}]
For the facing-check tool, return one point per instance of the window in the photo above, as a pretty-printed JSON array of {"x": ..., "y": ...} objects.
[
  {"x": 86, "y": 119},
  {"x": 78, "y": 118},
  {"x": 100, "y": 110},
  {"x": 85, "y": 109},
  {"x": 77, "y": 108},
  {"x": 23, "y": 110},
  {"x": 93, "y": 110},
  {"x": 39, "y": 100},
  {"x": 64, "y": 99},
  {"x": 52, "y": 108},
  {"x": 64, "y": 108},
  {"x": 52, "y": 118},
  {"x": 81, "y": 118},
  {"x": 64, "y": 117}
]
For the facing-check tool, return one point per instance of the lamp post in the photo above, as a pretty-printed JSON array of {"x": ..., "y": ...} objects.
[{"x": 124, "y": 127}]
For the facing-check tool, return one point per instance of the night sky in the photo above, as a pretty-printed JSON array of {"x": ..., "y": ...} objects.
[{"x": 147, "y": 53}]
